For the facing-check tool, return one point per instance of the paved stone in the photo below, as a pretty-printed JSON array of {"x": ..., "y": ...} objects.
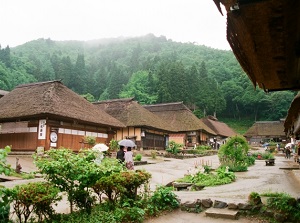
[{"x": 221, "y": 213}]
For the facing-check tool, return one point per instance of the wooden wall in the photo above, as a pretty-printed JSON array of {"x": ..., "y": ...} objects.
[{"x": 19, "y": 141}]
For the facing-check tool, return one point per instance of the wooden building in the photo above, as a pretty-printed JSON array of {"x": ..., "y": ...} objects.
[
  {"x": 221, "y": 129},
  {"x": 48, "y": 114},
  {"x": 188, "y": 129},
  {"x": 147, "y": 130},
  {"x": 264, "y": 131}
]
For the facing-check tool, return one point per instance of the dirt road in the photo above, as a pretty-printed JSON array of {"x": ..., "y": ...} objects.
[{"x": 259, "y": 178}]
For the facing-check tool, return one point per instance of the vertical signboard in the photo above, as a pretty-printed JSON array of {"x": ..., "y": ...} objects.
[{"x": 42, "y": 129}]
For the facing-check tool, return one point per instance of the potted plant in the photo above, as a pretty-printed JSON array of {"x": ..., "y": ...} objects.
[
  {"x": 113, "y": 147},
  {"x": 90, "y": 140}
]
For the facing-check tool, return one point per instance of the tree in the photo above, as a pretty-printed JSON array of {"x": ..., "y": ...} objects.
[
  {"x": 138, "y": 87},
  {"x": 278, "y": 104},
  {"x": 163, "y": 83},
  {"x": 178, "y": 87},
  {"x": 78, "y": 83},
  {"x": 71, "y": 173}
]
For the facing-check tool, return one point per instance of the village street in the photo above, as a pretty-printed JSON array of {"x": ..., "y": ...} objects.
[{"x": 259, "y": 178}]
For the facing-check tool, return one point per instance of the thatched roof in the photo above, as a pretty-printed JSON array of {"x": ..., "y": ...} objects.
[
  {"x": 264, "y": 36},
  {"x": 272, "y": 129},
  {"x": 291, "y": 124},
  {"x": 52, "y": 99},
  {"x": 2, "y": 93},
  {"x": 179, "y": 117},
  {"x": 131, "y": 113},
  {"x": 220, "y": 128}
]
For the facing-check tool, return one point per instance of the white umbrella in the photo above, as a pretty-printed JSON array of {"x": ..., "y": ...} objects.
[
  {"x": 100, "y": 147},
  {"x": 289, "y": 145},
  {"x": 126, "y": 143}
]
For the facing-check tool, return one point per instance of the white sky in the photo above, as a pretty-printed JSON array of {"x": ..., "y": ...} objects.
[{"x": 180, "y": 20}]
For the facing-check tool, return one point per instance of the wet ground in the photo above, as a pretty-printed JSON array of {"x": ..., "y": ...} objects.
[{"x": 259, "y": 178}]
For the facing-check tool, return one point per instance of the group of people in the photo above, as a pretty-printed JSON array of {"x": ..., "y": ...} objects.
[
  {"x": 295, "y": 149},
  {"x": 126, "y": 157}
]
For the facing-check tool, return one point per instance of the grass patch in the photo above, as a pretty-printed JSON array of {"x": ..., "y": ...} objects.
[{"x": 239, "y": 126}]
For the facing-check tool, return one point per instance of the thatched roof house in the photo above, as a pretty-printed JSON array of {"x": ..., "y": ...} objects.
[
  {"x": 264, "y": 36},
  {"x": 35, "y": 110},
  {"x": 141, "y": 124},
  {"x": 131, "y": 113},
  {"x": 51, "y": 99},
  {"x": 220, "y": 128},
  {"x": 266, "y": 130},
  {"x": 179, "y": 117},
  {"x": 182, "y": 120}
]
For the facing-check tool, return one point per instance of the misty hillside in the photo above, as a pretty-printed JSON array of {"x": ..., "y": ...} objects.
[{"x": 151, "y": 69}]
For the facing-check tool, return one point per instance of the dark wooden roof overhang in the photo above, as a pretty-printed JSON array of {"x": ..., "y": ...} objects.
[{"x": 265, "y": 38}]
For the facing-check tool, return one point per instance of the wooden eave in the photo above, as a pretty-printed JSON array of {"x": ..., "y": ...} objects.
[{"x": 265, "y": 38}]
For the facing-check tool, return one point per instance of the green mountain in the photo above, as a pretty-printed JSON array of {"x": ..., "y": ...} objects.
[{"x": 151, "y": 69}]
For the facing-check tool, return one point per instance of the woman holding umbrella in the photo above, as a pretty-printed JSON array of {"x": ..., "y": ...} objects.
[{"x": 129, "y": 159}]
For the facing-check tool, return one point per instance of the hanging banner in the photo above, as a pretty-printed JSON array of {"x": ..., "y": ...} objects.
[{"x": 42, "y": 129}]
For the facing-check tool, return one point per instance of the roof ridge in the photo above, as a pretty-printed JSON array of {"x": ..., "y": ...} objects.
[
  {"x": 114, "y": 100},
  {"x": 39, "y": 83},
  {"x": 161, "y": 104}
]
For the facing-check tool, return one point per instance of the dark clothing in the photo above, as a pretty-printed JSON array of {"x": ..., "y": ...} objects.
[
  {"x": 120, "y": 156},
  {"x": 288, "y": 153}
]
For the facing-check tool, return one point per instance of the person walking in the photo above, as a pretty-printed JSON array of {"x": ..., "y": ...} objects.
[
  {"x": 129, "y": 159},
  {"x": 288, "y": 152},
  {"x": 121, "y": 154}
]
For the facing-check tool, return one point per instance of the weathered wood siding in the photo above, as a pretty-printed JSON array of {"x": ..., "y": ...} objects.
[{"x": 19, "y": 141}]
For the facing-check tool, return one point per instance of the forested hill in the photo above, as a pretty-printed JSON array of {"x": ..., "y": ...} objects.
[{"x": 151, "y": 69}]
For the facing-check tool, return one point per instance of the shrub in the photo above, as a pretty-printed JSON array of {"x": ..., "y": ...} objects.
[
  {"x": 264, "y": 155},
  {"x": 113, "y": 145},
  {"x": 123, "y": 184},
  {"x": 129, "y": 214},
  {"x": 200, "y": 178},
  {"x": 163, "y": 198},
  {"x": 97, "y": 215},
  {"x": 285, "y": 205},
  {"x": 91, "y": 140},
  {"x": 34, "y": 197},
  {"x": 4, "y": 167},
  {"x": 72, "y": 173},
  {"x": 153, "y": 154},
  {"x": 234, "y": 154},
  {"x": 173, "y": 147},
  {"x": 254, "y": 198},
  {"x": 138, "y": 157},
  {"x": 5, "y": 201}
]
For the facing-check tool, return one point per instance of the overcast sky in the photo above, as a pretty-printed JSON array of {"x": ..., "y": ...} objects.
[{"x": 180, "y": 20}]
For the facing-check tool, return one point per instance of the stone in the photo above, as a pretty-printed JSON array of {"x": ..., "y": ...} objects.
[
  {"x": 206, "y": 203},
  {"x": 232, "y": 206},
  {"x": 245, "y": 206},
  {"x": 220, "y": 204},
  {"x": 181, "y": 186},
  {"x": 221, "y": 213},
  {"x": 189, "y": 204}
]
